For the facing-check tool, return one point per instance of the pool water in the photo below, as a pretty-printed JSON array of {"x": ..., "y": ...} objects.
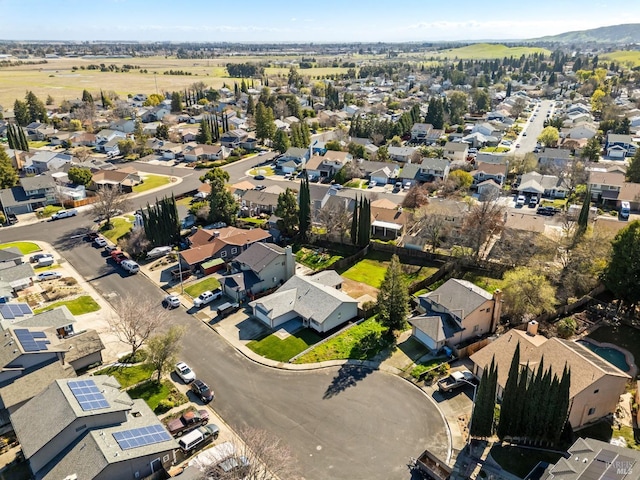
[
  {"x": 621, "y": 335},
  {"x": 611, "y": 355}
]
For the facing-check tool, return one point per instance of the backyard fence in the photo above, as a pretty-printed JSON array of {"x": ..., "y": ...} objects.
[{"x": 572, "y": 307}]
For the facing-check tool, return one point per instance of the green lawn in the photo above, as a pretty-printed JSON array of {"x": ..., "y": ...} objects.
[
  {"x": 119, "y": 227},
  {"x": 153, "y": 393},
  {"x": 254, "y": 221},
  {"x": 494, "y": 149},
  {"x": 372, "y": 268},
  {"x": 185, "y": 201},
  {"x": 47, "y": 211},
  {"x": 490, "y": 284},
  {"x": 274, "y": 348},
  {"x": 316, "y": 258},
  {"x": 38, "y": 143},
  {"x": 520, "y": 461},
  {"x": 128, "y": 376},
  {"x": 209, "y": 283},
  {"x": 266, "y": 171},
  {"x": 77, "y": 306},
  {"x": 354, "y": 343},
  {"x": 359, "y": 183},
  {"x": 24, "y": 247},
  {"x": 152, "y": 181}
]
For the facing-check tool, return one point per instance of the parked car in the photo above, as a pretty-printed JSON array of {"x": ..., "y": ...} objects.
[
  {"x": 520, "y": 201},
  {"x": 110, "y": 248},
  {"x": 171, "y": 301},
  {"x": 260, "y": 187},
  {"x": 130, "y": 266},
  {"x": 184, "y": 372},
  {"x": 100, "y": 242},
  {"x": 199, "y": 437},
  {"x": 158, "y": 252},
  {"x": 533, "y": 201},
  {"x": 372, "y": 184},
  {"x": 189, "y": 420},
  {"x": 39, "y": 256},
  {"x": 64, "y": 214},
  {"x": 262, "y": 152},
  {"x": 118, "y": 256},
  {"x": 517, "y": 145},
  {"x": 202, "y": 390},
  {"x": 11, "y": 218},
  {"x": 547, "y": 211},
  {"x": 258, "y": 177},
  {"x": 50, "y": 275},
  {"x": 207, "y": 297},
  {"x": 228, "y": 308},
  {"x": 91, "y": 236}
]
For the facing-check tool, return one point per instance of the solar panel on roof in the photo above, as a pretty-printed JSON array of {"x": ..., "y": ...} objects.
[
  {"x": 28, "y": 342},
  {"x": 38, "y": 335},
  {"x": 594, "y": 471},
  {"x": 140, "y": 437},
  {"x": 88, "y": 395},
  {"x": 12, "y": 311},
  {"x": 606, "y": 456}
]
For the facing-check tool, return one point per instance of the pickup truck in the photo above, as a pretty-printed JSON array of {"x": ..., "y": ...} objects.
[
  {"x": 456, "y": 380},
  {"x": 189, "y": 420},
  {"x": 118, "y": 256},
  {"x": 207, "y": 297}
]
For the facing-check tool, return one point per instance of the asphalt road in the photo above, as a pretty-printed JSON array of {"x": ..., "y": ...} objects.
[
  {"x": 534, "y": 127},
  {"x": 340, "y": 423}
]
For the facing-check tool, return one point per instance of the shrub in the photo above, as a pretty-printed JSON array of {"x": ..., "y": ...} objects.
[
  {"x": 566, "y": 327},
  {"x": 70, "y": 281},
  {"x": 164, "y": 406}
]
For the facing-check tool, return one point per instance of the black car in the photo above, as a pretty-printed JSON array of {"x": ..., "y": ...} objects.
[
  {"x": 258, "y": 177},
  {"x": 549, "y": 211},
  {"x": 202, "y": 390}
]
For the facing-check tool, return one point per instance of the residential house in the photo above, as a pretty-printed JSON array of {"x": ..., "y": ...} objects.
[
  {"x": 434, "y": 135},
  {"x": 581, "y": 130},
  {"x": 43, "y": 161},
  {"x": 259, "y": 268},
  {"x": 419, "y": 131},
  {"x": 589, "y": 458},
  {"x": 126, "y": 178},
  {"x": 225, "y": 243},
  {"x": 453, "y": 212},
  {"x": 18, "y": 276},
  {"x": 106, "y": 139},
  {"x": 83, "y": 139},
  {"x": 605, "y": 186},
  {"x": 198, "y": 152},
  {"x": 328, "y": 164},
  {"x": 170, "y": 150},
  {"x": 434, "y": 169},
  {"x": 456, "y": 151},
  {"x": 455, "y": 313},
  {"x": 596, "y": 385},
  {"x": 620, "y": 146},
  {"x": 478, "y": 140},
  {"x": 401, "y": 154},
  {"x": 488, "y": 190},
  {"x": 39, "y": 131},
  {"x": 489, "y": 171},
  {"x": 536, "y": 184},
  {"x": 126, "y": 125},
  {"x": 315, "y": 301},
  {"x": 409, "y": 175},
  {"x": 293, "y": 159},
  {"x": 486, "y": 129},
  {"x": 33, "y": 193},
  {"x": 554, "y": 157},
  {"x": 60, "y": 138},
  {"x": 155, "y": 114},
  {"x": 92, "y": 430},
  {"x": 388, "y": 220},
  {"x": 10, "y": 257},
  {"x": 255, "y": 202},
  {"x": 233, "y": 138},
  {"x": 630, "y": 192}
]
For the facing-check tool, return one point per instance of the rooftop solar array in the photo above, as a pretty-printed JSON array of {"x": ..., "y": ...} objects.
[
  {"x": 88, "y": 395},
  {"x": 31, "y": 341},
  {"x": 11, "y": 311},
  {"x": 139, "y": 437}
]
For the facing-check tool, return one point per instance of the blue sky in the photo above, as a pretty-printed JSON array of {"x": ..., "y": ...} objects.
[{"x": 298, "y": 21}]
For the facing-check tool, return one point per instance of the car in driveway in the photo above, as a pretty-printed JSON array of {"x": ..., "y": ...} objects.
[
  {"x": 202, "y": 390},
  {"x": 184, "y": 372},
  {"x": 372, "y": 184},
  {"x": 171, "y": 301},
  {"x": 520, "y": 201},
  {"x": 50, "y": 275},
  {"x": 39, "y": 256},
  {"x": 207, "y": 297},
  {"x": 548, "y": 211}
]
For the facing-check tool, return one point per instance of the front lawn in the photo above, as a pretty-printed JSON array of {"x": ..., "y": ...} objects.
[
  {"x": 274, "y": 348},
  {"x": 209, "y": 283},
  {"x": 47, "y": 211},
  {"x": 258, "y": 222},
  {"x": 24, "y": 247},
  {"x": 185, "y": 201},
  {"x": 360, "y": 342},
  {"x": 266, "y": 171},
  {"x": 495, "y": 149},
  {"x": 151, "y": 182},
  {"x": 38, "y": 143},
  {"x": 490, "y": 284},
  {"x": 128, "y": 375},
  {"x": 119, "y": 228},
  {"x": 316, "y": 258},
  {"x": 358, "y": 183},
  {"x": 153, "y": 393},
  {"x": 520, "y": 461},
  {"x": 77, "y": 306}
]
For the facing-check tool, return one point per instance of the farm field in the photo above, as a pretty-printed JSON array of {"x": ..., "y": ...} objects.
[
  {"x": 480, "y": 51},
  {"x": 630, "y": 58}
]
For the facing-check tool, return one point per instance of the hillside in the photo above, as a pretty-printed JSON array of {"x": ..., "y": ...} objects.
[
  {"x": 627, "y": 33},
  {"x": 484, "y": 51}
]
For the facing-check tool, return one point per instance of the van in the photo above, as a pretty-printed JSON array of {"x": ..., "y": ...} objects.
[
  {"x": 227, "y": 308},
  {"x": 45, "y": 262},
  {"x": 198, "y": 437},
  {"x": 625, "y": 210},
  {"x": 130, "y": 266}
]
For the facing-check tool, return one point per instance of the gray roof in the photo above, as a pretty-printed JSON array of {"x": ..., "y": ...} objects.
[
  {"x": 409, "y": 171},
  {"x": 98, "y": 449},
  {"x": 307, "y": 298},
  {"x": 81, "y": 345},
  {"x": 402, "y": 151},
  {"x": 259, "y": 197},
  {"x": 240, "y": 282},
  {"x": 296, "y": 152},
  {"x": 35, "y": 430},
  {"x": 38, "y": 182},
  {"x": 430, "y": 325},
  {"x": 560, "y": 153},
  {"x": 369, "y": 167},
  {"x": 460, "y": 297},
  {"x": 329, "y": 278},
  {"x": 259, "y": 255},
  {"x": 435, "y": 163},
  {"x": 55, "y": 318},
  {"x": 18, "y": 272},
  {"x": 10, "y": 254},
  {"x": 31, "y": 383},
  {"x": 619, "y": 138}
]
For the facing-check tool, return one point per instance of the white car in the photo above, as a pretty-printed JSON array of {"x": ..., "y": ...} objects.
[
  {"x": 520, "y": 201},
  {"x": 159, "y": 252},
  {"x": 372, "y": 183},
  {"x": 185, "y": 373},
  {"x": 130, "y": 266},
  {"x": 50, "y": 275},
  {"x": 64, "y": 214},
  {"x": 100, "y": 242},
  {"x": 171, "y": 301},
  {"x": 207, "y": 297}
]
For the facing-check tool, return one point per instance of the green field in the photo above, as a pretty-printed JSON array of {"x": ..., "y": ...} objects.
[
  {"x": 151, "y": 182},
  {"x": 78, "y": 306},
  {"x": 24, "y": 247},
  {"x": 480, "y": 51},
  {"x": 372, "y": 268},
  {"x": 625, "y": 57}
]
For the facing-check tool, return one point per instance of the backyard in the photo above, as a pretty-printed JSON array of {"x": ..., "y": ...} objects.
[
  {"x": 130, "y": 375},
  {"x": 151, "y": 182},
  {"x": 156, "y": 394},
  {"x": 372, "y": 268},
  {"x": 317, "y": 258},
  {"x": 77, "y": 306},
  {"x": 490, "y": 284},
  {"x": 24, "y": 247},
  {"x": 209, "y": 283},
  {"x": 284, "y": 349},
  {"x": 520, "y": 461}
]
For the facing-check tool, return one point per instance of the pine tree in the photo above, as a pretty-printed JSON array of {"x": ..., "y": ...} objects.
[
  {"x": 21, "y": 113},
  {"x": 281, "y": 141},
  {"x": 250, "y": 106},
  {"x": 24, "y": 143},
  {"x": 305, "y": 208},
  {"x": 8, "y": 174},
  {"x": 204, "y": 134},
  {"x": 485, "y": 402},
  {"x": 11, "y": 137},
  {"x": 583, "y": 218},
  {"x": 393, "y": 298}
]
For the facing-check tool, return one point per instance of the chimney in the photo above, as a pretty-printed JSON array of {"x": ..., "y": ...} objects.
[
  {"x": 289, "y": 262},
  {"x": 532, "y": 328},
  {"x": 497, "y": 309},
  {"x": 216, "y": 233}
]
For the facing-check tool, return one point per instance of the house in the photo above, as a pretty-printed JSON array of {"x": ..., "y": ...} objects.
[
  {"x": 83, "y": 139},
  {"x": 619, "y": 146},
  {"x": 293, "y": 159},
  {"x": 44, "y": 161},
  {"x": 454, "y": 313},
  {"x": 170, "y": 150},
  {"x": 434, "y": 169},
  {"x": 225, "y": 243},
  {"x": 486, "y": 129},
  {"x": 327, "y": 164},
  {"x": 126, "y": 178},
  {"x": 489, "y": 171},
  {"x": 582, "y": 130},
  {"x": 155, "y": 114},
  {"x": 205, "y": 152},
  {"x": 590, "y": 458},
  {"x": 316, "y": 301},
  {"x": 478, "y": 140},
  {"x": 91, "y": 430},
  {"x": 401, "y": 154},
  {"x": 596, "y": 385},
  {"x": 409, "y": 175},
  {"x": 554, "y": 157},
  {"x": 419, "y": 131},
  {"x": 39, "y": 131},
  {"x": 10, "y": 257},
  {"x": 126, "y": 125},
  {"x": 233, "y": 138},
  {"x": 456, "y": 151},
  {"x": 255, "y": 202},
  {"x": 387, "y": 219},
  {"x": 550, "y": 186},
  {"x": 605, "y": 186},
  {"x": 488, "y": 190},
  {"x": 60, "y": 138},
  {"x": 18, "y": 276},
  {"x": 374, "y": 170},
  {"x": 259, "y": 268},
  {"x": 107, "y": 140},
  {"x": 434, "y": 135},
  {"x": 33, "y": 193}
]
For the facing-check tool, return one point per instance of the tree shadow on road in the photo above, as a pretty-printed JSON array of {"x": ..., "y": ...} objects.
[
  {"x": 71, "y": 239},
  {"x": 348, "y": 376}
]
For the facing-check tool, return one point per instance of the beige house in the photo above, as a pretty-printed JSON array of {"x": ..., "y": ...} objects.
[{"x": 596, "y": 385}]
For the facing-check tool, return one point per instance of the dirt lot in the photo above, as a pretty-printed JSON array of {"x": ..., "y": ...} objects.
[{"x": 357, "y": 289}]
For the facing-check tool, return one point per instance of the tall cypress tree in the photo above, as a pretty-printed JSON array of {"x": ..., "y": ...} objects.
[
  {"x": 485, "y": 402},
  {"x": 24, "y": 143},
  {"x": 10, "y": 137},
  {"x": 354, "y": 224},
  {"x": 509, "y": 396},
  {"x": 305, "y": 207}
]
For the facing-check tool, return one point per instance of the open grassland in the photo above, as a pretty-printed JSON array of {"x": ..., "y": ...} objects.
[
  {"x": 480, "y": 51},
  {"x": 625, "y": 57}
]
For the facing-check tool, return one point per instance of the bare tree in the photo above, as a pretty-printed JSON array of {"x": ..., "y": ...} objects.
[
  {"x": 81, "y": 153},
  {"x": 335, "y": 219},
  {"x": 135, "y": 242},
  {"x": 267, "y": 457},
  {"x": 431, "y": 224},
  {"x": 163, "y": 350},
  {"x": 136, "y": 319},
  {"x": 416, "y": 197},
  {"x": 109, "y": 199},
  {"x": 484, "y": 220}
]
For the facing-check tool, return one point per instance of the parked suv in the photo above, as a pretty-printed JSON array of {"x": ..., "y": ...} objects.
[{"x": 202, "y": 390}]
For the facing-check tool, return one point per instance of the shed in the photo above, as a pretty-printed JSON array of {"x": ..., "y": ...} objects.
[{"x": 212, "y": 266}]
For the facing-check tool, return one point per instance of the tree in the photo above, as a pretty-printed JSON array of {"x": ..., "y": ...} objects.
[
  {"x": 153, "y": 100},
  {"x": 549, "y": 136},
  {"x": 162, "y": 132},
  {"x": 364, "y": 223},
  {"x": 287, "y": 209},
  {"x": 304, "y": 212},
  {"x": 622, "y": 273},
  {"x": 163, "y": 349},
  {"x": 21, "y": 113},
  {"x": 518, "y": 106},
  {"x": 80, "y": 176},
  {"x": 136, "y": 319},
  {"x": 223, "y": 207},
  {"x": 458, "y": 106},
  {"x": 335, "y": 219},
  {"x": 176, "y": 102},
  {"x": 430, "y": 224},
  {"x": 126, "y": 147},
  {"x": 484, "y": 220},
  {"x": 485, "y": 403},
  {"x": 36, "y": 108},
  {"x": 461, "y": 180},
  {"x": 265, "y": 126},
  {"x": 108, "y": 200},
  {"x": 393, "y": 298},
  {"x": 355, "y": 222},
  {"x": 161, "y": 222},
  {"x": 87, "y": 97},
  {"x": 281, "y": 141},
  {"x": 481, "y": 100},
  {"x": 633, "y": 171},
  {"x": 583, "y": 217},
  {"x": 509, "y": 405},
  {"x": 597, "y": 100},
  {"x": 333, "y": 145},
  {"x": 416, "y": 197},
  {"x": 527, "y": 294},
  {"x": 204, "y": 134},
  {"x": 8, "y": 174},
  {"x": 75, "y": 124},
  {"x": 250, "y": 106}
]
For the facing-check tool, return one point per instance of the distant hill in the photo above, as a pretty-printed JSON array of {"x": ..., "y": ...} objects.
[{"x": 627, "y": 33}]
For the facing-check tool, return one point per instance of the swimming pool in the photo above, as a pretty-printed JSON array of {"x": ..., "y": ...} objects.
[{"x": 611, "y": 355}]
